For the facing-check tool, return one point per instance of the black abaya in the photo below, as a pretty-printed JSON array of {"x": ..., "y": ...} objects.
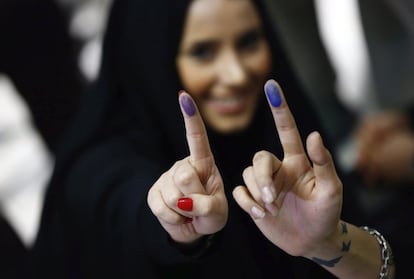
[{"x": 97, "y": 222}]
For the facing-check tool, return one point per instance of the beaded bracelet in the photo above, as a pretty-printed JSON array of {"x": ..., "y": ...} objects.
[{"x": 386, "y": 252}]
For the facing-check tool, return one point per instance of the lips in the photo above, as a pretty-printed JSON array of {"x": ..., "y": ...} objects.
[{"x": 228, "y": 105}]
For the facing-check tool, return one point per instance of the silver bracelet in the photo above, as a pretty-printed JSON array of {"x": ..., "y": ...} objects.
[{"x": 386, "y": 252}]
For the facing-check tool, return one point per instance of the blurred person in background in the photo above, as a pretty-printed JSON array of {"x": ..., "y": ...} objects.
[
  {"x": 87, "y": 23},
  {"x": 39, "y": 90}
]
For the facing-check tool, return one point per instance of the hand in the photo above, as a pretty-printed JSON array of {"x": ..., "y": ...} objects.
[
  {"x": 296, "y": 206},
  {"x": 375, "y": 127},
  {"x": 189, "y": 199},
  {"x": 392, "y": 159},
  {"x": 385, "y": 144}
]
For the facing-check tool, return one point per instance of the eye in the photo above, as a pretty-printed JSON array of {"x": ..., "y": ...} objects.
[
  {"x": 203, "y": 52},
  {"x": 249, "y": 41}
]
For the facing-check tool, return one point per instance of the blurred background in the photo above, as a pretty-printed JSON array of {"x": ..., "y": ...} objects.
[
  {"x": 49, "y": 53},
  {"x": 354, "y": 58}
]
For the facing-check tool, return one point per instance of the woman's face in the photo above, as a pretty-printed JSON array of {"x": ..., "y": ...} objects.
[{"x": 223, "y": 61}]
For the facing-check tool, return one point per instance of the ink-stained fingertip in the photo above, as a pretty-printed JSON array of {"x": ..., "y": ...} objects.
[
  {"x": 187, "y": 103},
  {"x": 273, "y": 93}
]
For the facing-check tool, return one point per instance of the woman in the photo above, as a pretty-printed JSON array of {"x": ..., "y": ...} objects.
[{"x": 130, "y": 145}]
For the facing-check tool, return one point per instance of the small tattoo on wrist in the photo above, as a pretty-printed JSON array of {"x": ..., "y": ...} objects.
[
  {"x": 344, "y": 228},
  {"x": 328, "y": 263},
  {"x": 346, "y": 246}
]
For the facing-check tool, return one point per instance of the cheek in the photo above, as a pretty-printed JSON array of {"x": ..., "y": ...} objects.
[
  {"x": 195, "y": 79},
  {"x": 261, "y": 64}
]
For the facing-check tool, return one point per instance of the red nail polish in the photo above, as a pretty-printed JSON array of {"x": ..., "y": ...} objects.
[
  {"x": 188, "y": 220},
  {"x": 185, "y": 204}
]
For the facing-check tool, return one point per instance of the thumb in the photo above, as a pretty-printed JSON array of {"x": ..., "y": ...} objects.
[{"x": 321, "y": 158}]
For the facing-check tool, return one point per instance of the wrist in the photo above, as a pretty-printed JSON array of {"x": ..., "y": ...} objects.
[
  {"x": 197, "y": 248},
  {"x": 331, "y": 250}
]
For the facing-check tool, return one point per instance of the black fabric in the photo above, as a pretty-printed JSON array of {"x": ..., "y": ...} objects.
[
  {"x": 96, "y": 221},
  {"x": 13, "y": 254}
]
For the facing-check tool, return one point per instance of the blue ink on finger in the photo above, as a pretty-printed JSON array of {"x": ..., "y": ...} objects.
[
  {"x": 188, "y": 105},
  {"x": 273, "y": 94}
]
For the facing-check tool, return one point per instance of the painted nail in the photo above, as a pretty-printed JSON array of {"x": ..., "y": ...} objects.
[
  {"x": 267, "y": 195},
  {"x": 257, "y": 213},
  {"x": 185, "y": 204},
  {"x": 188, "y": 220},
  {"x": 187, "y": 105},
  {"x": 273, "y": 94}
]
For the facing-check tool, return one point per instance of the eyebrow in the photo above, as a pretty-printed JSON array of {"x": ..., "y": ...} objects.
[
  {"x": 252, "y": 31},
  {"x": 189, "y": 46}
]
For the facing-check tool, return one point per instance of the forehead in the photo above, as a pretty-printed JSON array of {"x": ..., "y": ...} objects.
[{"x": 217, "y": 18}]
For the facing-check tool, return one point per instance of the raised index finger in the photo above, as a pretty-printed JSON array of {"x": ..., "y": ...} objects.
[
  {"x": 284, "y": 120},
  {"x": 196, "y": 132}
]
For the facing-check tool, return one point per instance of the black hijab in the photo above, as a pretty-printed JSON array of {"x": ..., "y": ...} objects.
[
  {"x": 128, "y": 132},
  {"x": 139, "y": 83}
]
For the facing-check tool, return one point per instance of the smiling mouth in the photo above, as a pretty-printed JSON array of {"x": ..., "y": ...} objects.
[{"x": 228, "y": 105}]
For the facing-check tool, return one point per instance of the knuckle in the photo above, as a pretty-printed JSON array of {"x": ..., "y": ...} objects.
[
  {"x": 260, "y": 155},
  {"x": 184, "y": 177},
  {"x": 239, "y": 194},
  {"x": 236, "y": 191},
  {"x": 173, "y": 219},
  {"x": 247, "y": 171},
  {"x": 162, "y": 181},
  {"x": 207, "y": 207},
  {"x": 157, "y": 208},
  {"x": 150, "y": 196},
  {"x": 171, "y": 200}
]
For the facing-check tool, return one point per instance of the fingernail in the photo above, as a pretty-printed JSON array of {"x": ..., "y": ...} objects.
[
  {"x": 257, "y": 213},
  {"x": 187, "y": 105},
  {"x": 188, "y": 220},
  {"x": 272, "y": 209},
  {"x": 267, "y": 195},
  {"x": 273, "y": 94},
  {"x": 185, "y": 204}
]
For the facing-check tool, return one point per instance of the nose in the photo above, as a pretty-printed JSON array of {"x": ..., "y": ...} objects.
[{"x": 232, "y": 70}]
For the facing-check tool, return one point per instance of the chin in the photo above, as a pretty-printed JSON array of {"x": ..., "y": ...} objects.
[{"x": 230, "y": 127}]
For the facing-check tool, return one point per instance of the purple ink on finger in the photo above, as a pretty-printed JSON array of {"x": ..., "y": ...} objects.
[{"x": 188, "y": 105}]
